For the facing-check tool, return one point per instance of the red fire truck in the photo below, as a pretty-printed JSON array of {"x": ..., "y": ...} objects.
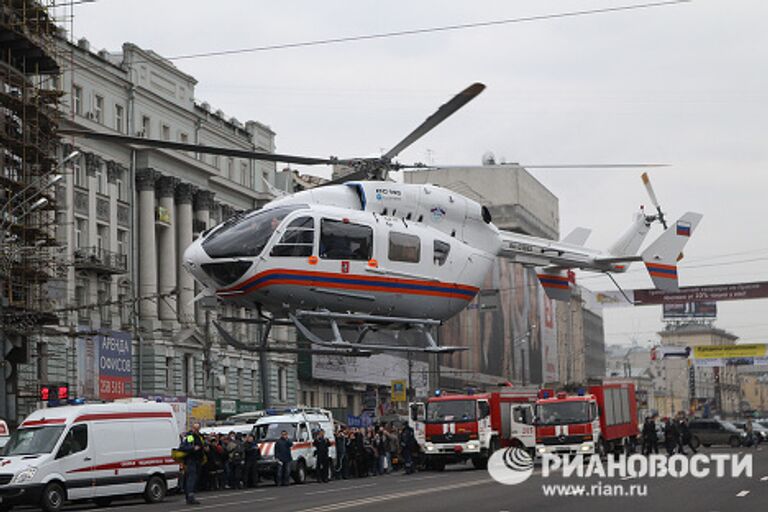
[
  {"x": 598, "y": 420},
  {"x": 454, "y": 428}
]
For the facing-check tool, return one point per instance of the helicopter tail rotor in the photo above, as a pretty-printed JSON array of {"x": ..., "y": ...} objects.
[{"x": 659, "y": 213}]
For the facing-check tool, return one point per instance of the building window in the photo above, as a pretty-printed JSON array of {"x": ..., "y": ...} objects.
[
  {"x": 254, "y": 384},
  {"x": 187, "y": 374},
  {"x": 403, "y": 247},
  {"x": 166, "y": 132},
  {"x": 215, "y": 161},
  {"x": 102, "y": 237},
  {"x": 298, "y": 239},
  {"x": 239, "y": 382},
  {"x": 77, "y": 99},
  {"x": 101, "y": 181},
  {"x": 81, "y": 300},
  {"x": 345, "y": 241},
  {"x": 169, "y": 374},
  {"x": 231, "y": 169},
  {"x": 328, "y": 400},
  {"x": 81, "y": 176},
  {"x": 183, "y": 137},
  {"x": 244, "y": 174},
  {"x": 119, "y": 118},
  {"x": 124, "y": 306},
  {"x": 146, "y": 125},
  {"x": 98, "y": 109},
  {"x": 102, "y": 298},
  {"x": 81, "y": 233},
  {"x": 122, "y": 241},
  {"x": 282, "y": 385}
]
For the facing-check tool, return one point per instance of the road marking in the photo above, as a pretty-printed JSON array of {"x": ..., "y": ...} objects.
[
  {"x": 742, "y": 494},
  {"x": 326, "y": 491},
  {"x": 222, "y": 505},
  {"x": 238, "y": 493},
  {"x": 763, "y": 479},
  {"x": 386, "y": 497}
]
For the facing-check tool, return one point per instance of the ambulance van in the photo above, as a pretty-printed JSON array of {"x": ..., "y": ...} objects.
[{"x": 90, "y": 452}]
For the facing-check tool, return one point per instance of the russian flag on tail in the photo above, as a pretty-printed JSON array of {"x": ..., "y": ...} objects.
[{"x": 683, "y": 228}]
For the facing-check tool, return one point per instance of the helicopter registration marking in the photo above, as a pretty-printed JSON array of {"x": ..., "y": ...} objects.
[{"x": 353, "y": 282}]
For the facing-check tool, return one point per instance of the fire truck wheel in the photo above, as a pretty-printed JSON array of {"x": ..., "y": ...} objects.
[{"x": 300, "y": 475}]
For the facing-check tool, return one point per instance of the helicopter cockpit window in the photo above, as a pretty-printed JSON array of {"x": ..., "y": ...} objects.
[
  {"x": 442, "y": 249},
  {"x": 403, "y": 247},
  {"x": 246, "y": 235},
  {"x": 345, "y": 241},
  {"x": 298, "y": 239}
]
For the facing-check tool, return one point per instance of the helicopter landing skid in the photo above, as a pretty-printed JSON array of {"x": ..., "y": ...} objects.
[{"x": 365, "y": 324}]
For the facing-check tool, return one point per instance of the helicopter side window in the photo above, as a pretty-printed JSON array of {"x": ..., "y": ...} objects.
[
  {"x": 345, "y": 241},
  {"x": 403, "y": 247},
  {"x": 442, "y": 249},
  {"x": 298, "y": 239}
]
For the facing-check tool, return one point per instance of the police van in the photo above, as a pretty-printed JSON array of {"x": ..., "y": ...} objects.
[
  {"x": 90, "y": 452},
  {"x": 301, "y": 424}
]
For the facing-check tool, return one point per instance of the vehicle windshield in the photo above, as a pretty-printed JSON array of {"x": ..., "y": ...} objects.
[
  {"x": 32, "y": 441},
  {"x": 450, "y": 410},
  {"x": 563, "y": 413},
  {"x": 271, "y": 431},
  {"x": 246, "y": 234}
]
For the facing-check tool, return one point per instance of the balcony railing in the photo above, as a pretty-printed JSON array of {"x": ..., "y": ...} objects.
[{"x": 100, "y": 260}]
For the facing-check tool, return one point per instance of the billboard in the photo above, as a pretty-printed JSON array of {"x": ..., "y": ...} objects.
[
  {"x": 685, "y": 310},
  {"x": 105, "y": 366},
  {"x": 729, "y": 351},
  {"x": 550, "y": 370},
  {"x": 686, "y": 294}
]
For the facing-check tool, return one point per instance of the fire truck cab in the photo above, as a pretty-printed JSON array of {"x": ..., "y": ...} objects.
[{"x": 456, "y": 428}]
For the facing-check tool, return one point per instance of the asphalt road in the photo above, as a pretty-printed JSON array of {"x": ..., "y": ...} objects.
[{"x": 463, "y": 488}]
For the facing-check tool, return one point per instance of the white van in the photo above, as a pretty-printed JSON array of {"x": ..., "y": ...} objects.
[
  {"x": 93, "y": 452},
  {"x": 301, "y": 424}
]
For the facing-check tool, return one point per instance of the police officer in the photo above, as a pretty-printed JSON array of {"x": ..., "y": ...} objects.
[
  {"x": 284, "y": 458},
  {"x": 322, "y": 446},
  {"x": 192, "y": 445}
]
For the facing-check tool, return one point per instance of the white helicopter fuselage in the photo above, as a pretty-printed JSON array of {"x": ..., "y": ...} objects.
[{"x": 381, "y": 248}]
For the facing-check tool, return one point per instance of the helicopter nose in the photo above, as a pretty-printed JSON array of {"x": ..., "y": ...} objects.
[{"x": 194, "y": 257}]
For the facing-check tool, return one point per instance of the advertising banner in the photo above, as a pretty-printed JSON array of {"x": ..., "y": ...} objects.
[
  {"x": 200, "y": 411},
  {"x": 114, "y": 365},
  {"x": 548, "y": 328},
  {"x": 686, "y": 294},
  {"x": 104, "y": 366},
  {"x": 399, "y": 390},
  {"x": 729, "y": 351},
  {"x": 690, "y": 310}
]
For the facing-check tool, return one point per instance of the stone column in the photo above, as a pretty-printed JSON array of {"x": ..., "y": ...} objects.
[
  {"x": 166, "y": 247},
  {"x": 203, "y": 202},
  {"x": 145, "y": 184},
  {"x": 185, "y": 281}
]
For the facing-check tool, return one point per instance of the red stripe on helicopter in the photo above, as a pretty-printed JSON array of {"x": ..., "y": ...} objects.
[
  {"x": 662, "y": 270},
  {"x": 553, "y": 281},
  {"x": 354, "y": 282}
]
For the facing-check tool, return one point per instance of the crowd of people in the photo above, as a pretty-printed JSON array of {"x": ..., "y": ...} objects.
[
  {"x": 675, "y": 435},
  {"x": 230, "y": 461}
]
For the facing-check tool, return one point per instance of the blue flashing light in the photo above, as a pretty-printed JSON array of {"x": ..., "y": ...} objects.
[
  {"x": 438, "y": 392},
  {"x": 545, "y": 394},
  {"x": 581, "y": 391},
  {"x": 76, "y": 401}
]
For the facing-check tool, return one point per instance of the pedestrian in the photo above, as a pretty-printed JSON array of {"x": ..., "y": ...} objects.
[
  {"x": 284, "y": 459},
  {"x": 408, "y": 444},
  {"x": 322, "y": 456},
  {"x": 750, "y": 439},
  {"x": 686, "y": 439},
  {"x": 252, "y": 456},
  {"x": 671, "y": 435},
  {"x": 192, "y": 444},
  {"x": 380, "y": 446},
  {"x": 342, "y": 464},
  {"x": 650, "y": 442}
]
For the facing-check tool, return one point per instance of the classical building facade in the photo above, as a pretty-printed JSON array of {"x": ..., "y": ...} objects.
[{"x": 125, "y": 215}]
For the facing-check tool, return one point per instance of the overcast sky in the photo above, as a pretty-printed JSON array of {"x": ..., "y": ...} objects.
[{"x": 684, "y": 84}]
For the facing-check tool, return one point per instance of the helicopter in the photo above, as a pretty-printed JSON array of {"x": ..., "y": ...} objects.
[{"x": 367, "y": 253}]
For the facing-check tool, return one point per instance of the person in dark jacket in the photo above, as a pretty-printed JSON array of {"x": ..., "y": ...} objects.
[
  {"x": 284, "y": 458},
  {"x": 408, "y": 444},
  {"x": 342, "y": 464},
  {"x": 686, "y": 438},
  {"x": 252, "y": 456},
  {"x": 192, "y": 444},
  {"x": 671, "y": 435},
  {"x": 322, "y": 456},
  {"x": 650, "y": 442}
]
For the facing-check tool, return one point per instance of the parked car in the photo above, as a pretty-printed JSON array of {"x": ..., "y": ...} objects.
[
  {"x": 761, "y": 433},
  {"x": 708, "y": 432}
]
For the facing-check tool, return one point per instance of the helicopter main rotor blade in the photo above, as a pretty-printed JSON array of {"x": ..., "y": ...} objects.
[
  {"x": 418, "y": 166},
  {"x": 198, "y": 148},
  {"x": 445, "y": 111}
]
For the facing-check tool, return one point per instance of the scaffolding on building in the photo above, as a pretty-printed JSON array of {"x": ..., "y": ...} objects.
[{"x": 29, "y": 107}]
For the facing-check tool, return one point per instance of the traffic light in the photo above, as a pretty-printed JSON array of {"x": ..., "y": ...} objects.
[{"x": 54, "y": 393}]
